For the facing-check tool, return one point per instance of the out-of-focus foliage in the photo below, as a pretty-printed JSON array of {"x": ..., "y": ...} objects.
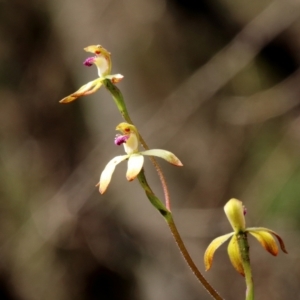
[{"x": 214, "y": 81}]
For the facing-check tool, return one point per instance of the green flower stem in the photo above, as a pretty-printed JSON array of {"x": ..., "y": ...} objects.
[
  {"x": 119, "y": 100},
  {"x": 170, "y": 221},
  {"x": 244, "y": 251},
  {"x": 165, "y": 211}
]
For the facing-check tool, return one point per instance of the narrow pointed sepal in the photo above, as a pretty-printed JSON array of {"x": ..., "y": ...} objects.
[
  {"x": 235, "y": 256},
  {"x": 212, "y": 247},
  {"x": 135, "y": 164},
  {"x": 166, "y": 155},
  {"x": 266, "y": 239},
  {"x": 87, "y": 89},
  {"x": 108, "y": 171}
]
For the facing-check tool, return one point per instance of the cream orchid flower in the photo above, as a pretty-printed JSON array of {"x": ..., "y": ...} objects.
[
  {"x": 235, "y": 212},
  {"x": 102, "y": 61},
  {"x": 130, "y": 140}
]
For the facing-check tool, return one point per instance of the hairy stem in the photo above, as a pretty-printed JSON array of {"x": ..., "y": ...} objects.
[
  {"x": 170, "y": 221},
  {"x": 165, "y": 211},
  {"x": 244, "y": 251}
]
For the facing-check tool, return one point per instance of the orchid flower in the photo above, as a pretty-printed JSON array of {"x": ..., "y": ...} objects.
[
  {"x": 102, "y": 61},
  {"x": 130, "y": 140},
  {"x": 235, "y": 212}
]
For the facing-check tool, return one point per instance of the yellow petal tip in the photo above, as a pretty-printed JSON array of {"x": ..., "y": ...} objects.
[
  {"x": 67, "y": 100},
  {"x": 178, "y": 163},
  {"x": 101, "y": 190},
  {"x": 130, "y": 178}
]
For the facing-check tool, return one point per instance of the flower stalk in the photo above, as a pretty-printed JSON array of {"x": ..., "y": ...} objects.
[
  {"x": 244, "y": 251},
  {"x": 129, "y": 138},
  {"x": 167, "y": 215},
  {"x": 120, "y": 103},
  {"x": 102, "y": 60},
  {"x": 135, "y": 158},
  {"x": 238, "y": 248},
  {"x": 118, "y": 98}
]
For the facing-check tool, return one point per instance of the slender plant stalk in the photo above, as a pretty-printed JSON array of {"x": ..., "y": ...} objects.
[
  {"x": 119, "y": 100},
  {"x": 190, "y": 262},
  {"x": 165, "y": 211},
  {"x": 170, "y": 221},
  {"x": 244, "y": 251}
]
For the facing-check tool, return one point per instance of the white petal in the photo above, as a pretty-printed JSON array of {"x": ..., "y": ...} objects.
[
  {"x": 132, "y": 144},
  {"x": 108, "y": 171},
  {"x": 167, "y": 155},
  {"x": 102, "y": 65},
  {"x": 135, "y": 164}
]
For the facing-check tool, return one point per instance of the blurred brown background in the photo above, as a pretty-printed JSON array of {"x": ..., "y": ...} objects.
[{"x": 217, "y": 82}]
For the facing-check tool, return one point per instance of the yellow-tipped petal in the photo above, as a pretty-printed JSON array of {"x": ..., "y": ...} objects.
[
  {"x": 87, "y": 89},
  {"x": 108, "y": 171},
  {"x": 235, "y": 256},
  {"x": 212, "y": 247},
  {"x": 68, "y": 99},
  {"x": 265, "y": 238},
  {"x": 167, "y": 155},
  {"x": 266, "y": 230},
  {"x": 235, "y": 213},
  {"x": 135, "y": 164}
]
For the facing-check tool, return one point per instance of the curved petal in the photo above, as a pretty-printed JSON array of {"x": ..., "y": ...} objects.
[
  {"x": 108, "y": 171},
  {"x": 135, "y": 164},
  {"x": 266, "y": 230},
  {"x": 87, "y": 89},
  {"x": 167, "y": 155},
  {"x": 266, "y": 239},
  {"x": 235, "y": 214},
  {"x": 235, "y": 256},
  {"x": 212, "y": 247},
  {"x": 132, "y": 144}
]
